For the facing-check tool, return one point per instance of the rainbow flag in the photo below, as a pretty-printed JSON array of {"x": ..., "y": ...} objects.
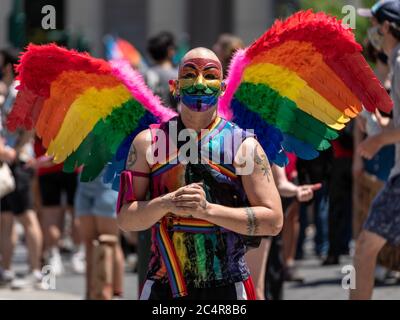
[{"x": 117, "y": 48}]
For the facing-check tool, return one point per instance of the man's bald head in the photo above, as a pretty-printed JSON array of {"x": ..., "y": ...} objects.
[
  {"x": 202, "y": 53},
  {"x": 199, "y": 58},
  {"x": 200, "y": 80}
]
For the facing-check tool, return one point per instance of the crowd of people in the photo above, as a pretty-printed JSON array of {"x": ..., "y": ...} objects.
[{"x": 324, "y": 193}]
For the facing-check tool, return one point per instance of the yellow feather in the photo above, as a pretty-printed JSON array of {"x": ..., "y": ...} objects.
[
  {"x": 82, "y": 116},
  {"x": 291, "y": 86}
]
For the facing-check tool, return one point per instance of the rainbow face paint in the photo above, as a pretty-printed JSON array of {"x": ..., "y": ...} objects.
[{"x": 200, "y": 83}]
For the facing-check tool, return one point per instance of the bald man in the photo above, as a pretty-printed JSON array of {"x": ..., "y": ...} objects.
[{"x": 204, "y": 211}]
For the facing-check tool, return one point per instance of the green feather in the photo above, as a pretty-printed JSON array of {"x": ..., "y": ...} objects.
[
  {"x": 283, "y": 113},
  {"x": 98, "y": 148}
]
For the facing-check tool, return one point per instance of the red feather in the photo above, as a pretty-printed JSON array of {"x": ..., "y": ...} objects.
[
  {"x": 36, "y": 79},
  {"x": 339, "y": 48}
]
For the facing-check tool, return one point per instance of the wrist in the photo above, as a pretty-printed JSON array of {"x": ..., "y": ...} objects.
[
  {"x": 166, "y": 203},
  {"x": 209, "y": 210}
]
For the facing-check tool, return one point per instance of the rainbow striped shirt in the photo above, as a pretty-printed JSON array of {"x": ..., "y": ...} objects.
[{"x": 207, "y": 255}]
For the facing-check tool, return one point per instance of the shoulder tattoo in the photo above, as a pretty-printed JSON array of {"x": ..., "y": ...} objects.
[
  {"x": 261, "y": 160},
  {"x": 132, "y": 157}
]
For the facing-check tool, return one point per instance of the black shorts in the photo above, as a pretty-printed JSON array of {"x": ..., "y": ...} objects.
[
  {"x": 21, "y": 199},
  {"x": 52, "y": 186},
  {"x": 155, "y": 290}
]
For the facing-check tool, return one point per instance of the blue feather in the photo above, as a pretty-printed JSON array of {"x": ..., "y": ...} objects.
[
  {"x": 302, "y": 149},
  {"x": 117, "y": 164},
  {"x": 269, "y": 137}
]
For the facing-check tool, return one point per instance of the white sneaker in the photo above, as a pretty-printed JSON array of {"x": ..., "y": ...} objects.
[
  {"x": 31, "y": 281},
  {"x": 55, "y": 262},
  {"x": 6, "y": 277},
  {"x": 131, "y": 261},
  {"x": 381, "y": 273},
  {"x": 78, "y": 262}
]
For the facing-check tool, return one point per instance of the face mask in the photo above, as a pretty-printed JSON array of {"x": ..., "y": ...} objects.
[
  {"x": 375, "y": 36},
  {"x": 200, "y": 84},
  {"x": 200, "y": 95}
]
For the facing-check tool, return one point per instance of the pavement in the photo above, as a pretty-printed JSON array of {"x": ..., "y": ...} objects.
[
  {"x": 69, "y": 286},
  {"x": 320, "y": 283},
  {"x": 325, "y": 283}
]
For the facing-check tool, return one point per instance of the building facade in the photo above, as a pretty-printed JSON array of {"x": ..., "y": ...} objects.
[{"x": 198, "y": 21}]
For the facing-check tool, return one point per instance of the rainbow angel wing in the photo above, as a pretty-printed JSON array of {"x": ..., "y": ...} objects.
[
  {"x": 86, "y": 111},
  {"x": 300, "y": 83}
]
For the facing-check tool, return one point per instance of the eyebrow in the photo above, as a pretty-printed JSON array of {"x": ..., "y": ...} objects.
[
  {"x": 190, "y": 65},
  {"x": 210, "y": 67}
]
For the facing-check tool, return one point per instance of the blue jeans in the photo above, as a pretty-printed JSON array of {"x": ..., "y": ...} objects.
[{"x": 320, "y": 213}]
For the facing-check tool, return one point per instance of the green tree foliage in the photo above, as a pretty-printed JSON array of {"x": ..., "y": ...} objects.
[{"x": 334, "y": 7}]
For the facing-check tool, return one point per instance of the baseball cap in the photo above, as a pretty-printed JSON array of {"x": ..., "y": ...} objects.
[{"x": 383, "y": 10}]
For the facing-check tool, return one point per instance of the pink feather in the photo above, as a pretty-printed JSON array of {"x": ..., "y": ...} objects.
[
  {"x": 236, "y": 68},
  {"x": 133, "y": 80}
]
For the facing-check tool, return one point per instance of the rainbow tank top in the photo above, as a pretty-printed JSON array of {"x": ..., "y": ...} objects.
[{"x": 192, "y": 252}]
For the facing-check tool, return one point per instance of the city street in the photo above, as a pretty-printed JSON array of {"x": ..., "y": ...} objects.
[{"x": 320, "y": 283}]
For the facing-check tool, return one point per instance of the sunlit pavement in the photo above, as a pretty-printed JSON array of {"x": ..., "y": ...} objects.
[
  {"x": 69, "y": 286},
  {"x": 323, "y": 283}
]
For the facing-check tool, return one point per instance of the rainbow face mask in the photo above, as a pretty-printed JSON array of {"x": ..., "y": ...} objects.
[{"x": 200, "y": 83}]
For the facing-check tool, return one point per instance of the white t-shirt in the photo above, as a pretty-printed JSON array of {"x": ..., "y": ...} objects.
[{"x": 395, "y": 93}]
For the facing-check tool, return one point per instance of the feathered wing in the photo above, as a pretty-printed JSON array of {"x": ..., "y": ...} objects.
[
  {"x": 300, "y": 83},
  {"x": 86, "y": 111}
]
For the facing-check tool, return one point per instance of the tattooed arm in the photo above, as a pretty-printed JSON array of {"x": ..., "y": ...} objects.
[
  {"x": 141, "y": 214},
  {"x": 264, "y": 217}
]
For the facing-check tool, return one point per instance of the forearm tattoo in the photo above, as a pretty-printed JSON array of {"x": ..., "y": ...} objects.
[
  {"x": 132, "y": 157},
  {"x": 252, "y": 222},
  {"x": 261, "y": 160}
]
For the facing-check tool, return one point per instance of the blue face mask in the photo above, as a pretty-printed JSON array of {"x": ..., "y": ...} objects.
[{"x": 200, "y": 103}]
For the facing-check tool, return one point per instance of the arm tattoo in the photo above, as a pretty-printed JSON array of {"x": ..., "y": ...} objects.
[
  {"x": 262, "y": 161},
  {"x": 252, "y": 222},
  {"x": 132, "y": 157}
]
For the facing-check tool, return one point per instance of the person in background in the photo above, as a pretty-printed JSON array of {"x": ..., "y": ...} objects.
[
  {"x": 269, "y": 254},
  {"x": 95, "y": 204},
  {"x": 225, "y": 47},
  {"x": 18, "y": 151},
  {"x": 310, "y": 172},
  {"x": 372, "y": 173},
  {"x": 383, "y": 223},
  {"x": 340, "y": 197},
  {"x": 53, "y": 185},
  {"x": 162, "y": 49}
]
